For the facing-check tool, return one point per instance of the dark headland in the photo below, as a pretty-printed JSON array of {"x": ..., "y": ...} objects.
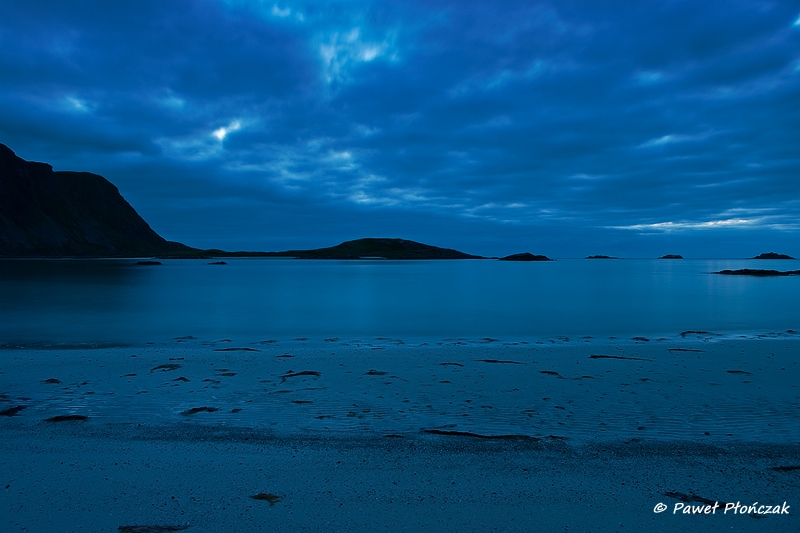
[
  {"x": 69, "y": 214},
  {"x": 44, "y": 213}
]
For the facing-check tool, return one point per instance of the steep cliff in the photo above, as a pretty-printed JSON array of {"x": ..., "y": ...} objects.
[{"x": 69, "y": 214}]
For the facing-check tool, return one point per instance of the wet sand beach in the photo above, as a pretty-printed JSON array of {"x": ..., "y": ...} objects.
[{"x": 388, "y": 435}]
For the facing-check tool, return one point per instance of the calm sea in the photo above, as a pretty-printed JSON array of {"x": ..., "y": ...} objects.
[{"x": 116, "y": 301}]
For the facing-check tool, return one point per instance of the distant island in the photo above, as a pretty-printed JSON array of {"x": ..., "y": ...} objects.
[
  {"x": 525, "y": 256},
  {"x": 758, "y": 272},
  {"x": 671, "y": 256},
  {"x": 377, "y": 249},
  {"x": 601, "y": 257},
  {"x": 772, "y": 255}
]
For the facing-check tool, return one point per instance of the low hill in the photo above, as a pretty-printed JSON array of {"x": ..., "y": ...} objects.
[
  {"x": 377, "y": 249},
  {"x": 525, "y": 256}
]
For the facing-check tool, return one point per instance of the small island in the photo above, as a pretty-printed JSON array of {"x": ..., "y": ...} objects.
[
  {"x": 601, "y": 257},
  {"x": 772, "y": 255},
  {"x": 758, "y": 272},
  {"x": 671, "y": 256},
  {"x": 525, "y": 256},
  {"x": 377, "y": 249}
]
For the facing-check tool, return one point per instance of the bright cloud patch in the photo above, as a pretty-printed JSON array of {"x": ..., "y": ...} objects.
[
  {"x": 278, "y": 12},
  {"x": 732, "y": 223},
  {"x": 221, "y": 133},
  {"x": 343, "y": 51}
]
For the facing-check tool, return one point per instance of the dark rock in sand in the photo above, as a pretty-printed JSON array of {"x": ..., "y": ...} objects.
[
  {"x": 788, "y": 468},
  {"x": 165, "y": 368},
  {"x": 671, "y": 256},
  {"x": 691, "y": 497},
  {"x": 52, "y": 381},
  {"x": 375, "y": 373},
  {"x": 498, "y": 361},
  {"x": 151, "y": 529},
  {"x": 477, "y": 435},
  {"x": 617, "y": 357},
  {"x": 195, "y": 410},
  {"x": 66, "y": 418},
  {"x": 696, "y": 332},
  {"x": 12, "y": 411},
  {"x": 290, "y": 374},
  {"x": 267, "y": 497},
  {"x": 772, "y": 255},
  {"x": 525, "y": 256},
  {"x": 236, "y": 350},
  {"x": 742, "y": 372}
]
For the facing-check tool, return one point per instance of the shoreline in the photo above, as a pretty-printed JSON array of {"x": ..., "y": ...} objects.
[
  {"x": 315, "y": 341},
  {"x": 381, "y": 436},
  {"x": 706, "y": 389}
]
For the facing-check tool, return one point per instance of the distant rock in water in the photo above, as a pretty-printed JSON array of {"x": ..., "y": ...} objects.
[
  {"x": 377, "y": 249},
  {"x": 601, "y": 257},
  {"x": 69, "y": 214},
  {"x": 671, "y": 256},
  {"x": 772, "y": 255},
  {"x": 758, "y": 272},
  {"x": 218, "y": 263},
  {"x": 525, "y": 256},
  {"x": 149, "y": 263}
]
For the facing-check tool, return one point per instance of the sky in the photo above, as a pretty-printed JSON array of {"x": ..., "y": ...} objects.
[{"x": 567, "y": 128}]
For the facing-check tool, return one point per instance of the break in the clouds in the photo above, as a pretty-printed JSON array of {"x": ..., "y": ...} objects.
[{"x": 563, "y": 127}]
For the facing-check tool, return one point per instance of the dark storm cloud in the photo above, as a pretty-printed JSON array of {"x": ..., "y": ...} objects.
[{"x": 507, "y": 124}]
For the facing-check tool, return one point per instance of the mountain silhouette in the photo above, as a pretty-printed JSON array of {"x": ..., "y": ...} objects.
[{"x": 69, "y": 214}]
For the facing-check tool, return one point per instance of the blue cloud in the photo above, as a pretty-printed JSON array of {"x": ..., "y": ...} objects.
[{"x": 565, "y": 124}]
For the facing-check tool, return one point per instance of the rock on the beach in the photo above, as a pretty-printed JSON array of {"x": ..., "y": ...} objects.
[
  {"x": 267, "y": 497},
  {"x": 151, "y": 529},
  {"x": 12, "y": 411},
  {"x": 67, "y": 418}
]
